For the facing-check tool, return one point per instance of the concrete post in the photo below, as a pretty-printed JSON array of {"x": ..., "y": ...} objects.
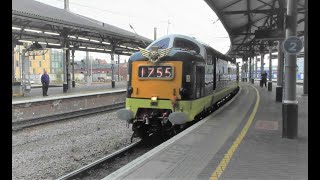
[
  {"x": 279, "y": 87},
  {"x": 73, "y": 81},
  {"x": 290, "y": 103},
  {"x": 270, "y": 69},
  {"x": 305, "y": 68}
]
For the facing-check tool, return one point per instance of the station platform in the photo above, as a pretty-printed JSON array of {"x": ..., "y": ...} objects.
[
  {"x": 82, "y": 99},
  {"x": 241, "y": 140},
  {"x": 56, "y": 92}
]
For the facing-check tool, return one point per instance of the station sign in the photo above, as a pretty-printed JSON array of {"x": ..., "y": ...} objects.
[{"x": 292, "y": 45}]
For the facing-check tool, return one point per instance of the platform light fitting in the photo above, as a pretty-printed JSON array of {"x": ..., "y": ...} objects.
[
  {"x": 53, "y": 44},
  {"x": 32, "y": 30},
  {"x": 91, "y": 48},
  {"x": 94, "y": 40},
  {"x": 25, "y": 41},
  {"x": 82, "y": 47},
  {"x": 100, "y": 49},
  {"x": 42, "y": 43},
  {"x": 72, "y": 37},
  {"x": 52, "y": 33},
  {"x": 105, "y": 43},
  {"x": 83, "y": 38},
  {"x": 123, "y": 46},
  {"x": 16, "y": 28}
]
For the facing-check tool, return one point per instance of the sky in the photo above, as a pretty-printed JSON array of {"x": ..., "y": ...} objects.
[{"x": 192, "y": 18}]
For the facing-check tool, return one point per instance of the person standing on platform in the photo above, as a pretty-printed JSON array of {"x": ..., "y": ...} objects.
[
  {"x": 264, "y": 78},
  {"x": 45, "y": 83}
]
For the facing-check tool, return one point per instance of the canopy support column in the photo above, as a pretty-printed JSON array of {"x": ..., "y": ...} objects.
[
  {"x": 73, "y": 81},
  {"x": 290, "y": 103},
  {"x": 279, "y": 88},
  {"x": 270, "y": 69}
]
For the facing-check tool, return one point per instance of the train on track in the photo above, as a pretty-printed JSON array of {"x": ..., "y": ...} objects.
[{"x": 174, "y": 81}]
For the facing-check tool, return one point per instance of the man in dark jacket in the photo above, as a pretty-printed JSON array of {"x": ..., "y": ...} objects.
[
  {"x": 264, "y": 78},
  {"x": 45, "y": 83}
]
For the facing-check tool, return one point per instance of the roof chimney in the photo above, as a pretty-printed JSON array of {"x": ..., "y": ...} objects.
[{"x": 66, "y": 5}]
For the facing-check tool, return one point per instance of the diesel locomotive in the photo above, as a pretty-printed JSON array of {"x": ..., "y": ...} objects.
[{"x": 175, "y": 80}]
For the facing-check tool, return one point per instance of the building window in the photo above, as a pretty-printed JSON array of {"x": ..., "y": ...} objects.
[
  {"x": 34, "y": 70},
  {"x": 39, "y": 63},
  {"x": 17, "y": 63}
]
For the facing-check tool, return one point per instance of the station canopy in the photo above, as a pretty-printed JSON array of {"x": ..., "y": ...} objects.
[
  {"x": 255, "y": 25},
  {"x": 53, "y": 27}
]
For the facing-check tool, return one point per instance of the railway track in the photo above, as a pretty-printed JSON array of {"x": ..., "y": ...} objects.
[
  {"x": 109, "y": 163},
  {"x": 57, "y": 117}
]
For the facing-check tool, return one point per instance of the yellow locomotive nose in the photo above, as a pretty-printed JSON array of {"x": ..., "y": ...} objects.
[{"x": 160, "y": 80}]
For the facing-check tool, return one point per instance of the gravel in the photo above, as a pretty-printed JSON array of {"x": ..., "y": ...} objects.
[{"x": 52, "y": 150}]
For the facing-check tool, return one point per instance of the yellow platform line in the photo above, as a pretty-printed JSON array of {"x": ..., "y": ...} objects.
[
  {"x": 16, "y": 95},
  {"x": 224, "y": 162}
]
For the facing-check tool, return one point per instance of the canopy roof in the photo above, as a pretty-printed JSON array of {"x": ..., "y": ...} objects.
[
  {"x": 30, "y": 14},
  {"x": 253, "y": 25}
]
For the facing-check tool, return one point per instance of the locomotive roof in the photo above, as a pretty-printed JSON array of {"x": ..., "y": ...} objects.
[{"x": 201, "y": 45}]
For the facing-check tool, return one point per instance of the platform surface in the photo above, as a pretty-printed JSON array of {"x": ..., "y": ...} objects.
[
  {"x": 200, "y": 151},
  {"x": 80, "y": 90}
]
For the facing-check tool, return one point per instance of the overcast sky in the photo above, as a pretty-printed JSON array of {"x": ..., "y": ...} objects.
[{"x": 193, "y": 18}]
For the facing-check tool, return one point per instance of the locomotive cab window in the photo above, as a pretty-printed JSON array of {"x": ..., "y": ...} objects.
[
  {"x": 162, "y": 44},
  {"x": 186, "y": 44}
]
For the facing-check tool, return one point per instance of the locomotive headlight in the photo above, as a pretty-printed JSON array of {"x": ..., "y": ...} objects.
[
  {"x": 154, "y": 101},
  {"x": 182, "y": 91}
]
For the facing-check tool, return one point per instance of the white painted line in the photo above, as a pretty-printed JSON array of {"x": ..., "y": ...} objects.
[{"x": 125, "y": 169}]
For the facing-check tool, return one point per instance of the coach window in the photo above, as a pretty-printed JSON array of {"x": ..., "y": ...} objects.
[
  {"x": 186, "y": 44},
  {"x": 162, "y": 44}
]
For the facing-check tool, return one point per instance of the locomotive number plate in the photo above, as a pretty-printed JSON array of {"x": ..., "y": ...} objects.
[{"x": 158, "y": 72}]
